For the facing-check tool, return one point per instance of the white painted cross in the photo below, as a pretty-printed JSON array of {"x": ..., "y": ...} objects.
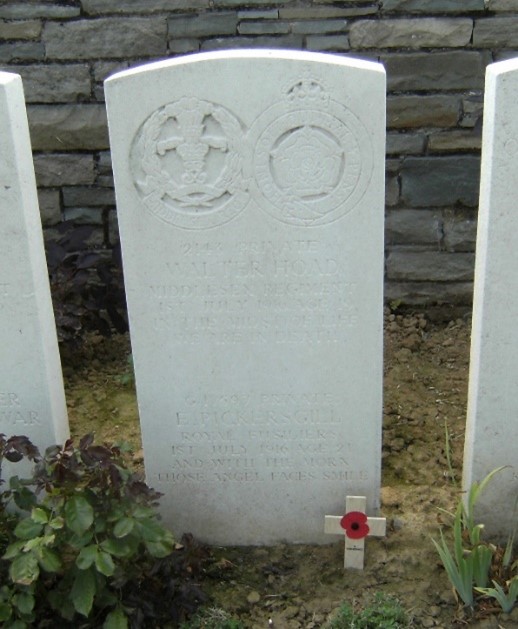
[{"x": 356, "y": 526}]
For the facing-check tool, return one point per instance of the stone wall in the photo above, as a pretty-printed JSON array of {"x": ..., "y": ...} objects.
[{"x": 434, "y": 51}]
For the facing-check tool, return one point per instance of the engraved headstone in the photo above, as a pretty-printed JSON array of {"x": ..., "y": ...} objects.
[
  {"x": 250, "y": 197},
  {"x": 32, "y": 400},
  {"x": 492, "y": 428}
]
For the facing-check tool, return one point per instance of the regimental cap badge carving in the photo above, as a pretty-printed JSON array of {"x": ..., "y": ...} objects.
[
  {"x": 187, "y": 164},
  {"x": 312, "y": 158},
  {"x": 307, "y": 157}
]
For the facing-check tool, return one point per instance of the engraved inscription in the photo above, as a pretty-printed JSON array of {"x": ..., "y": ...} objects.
[
  {"x": 291, "y": 292},
  {"x": 13, "y": 413},
  {"x": 187, "y": 164},
  {"x": 259, "y": 437}
]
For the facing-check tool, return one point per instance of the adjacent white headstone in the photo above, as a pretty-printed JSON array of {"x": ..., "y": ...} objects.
[
  {"x": 32, "y": 400},
  {"x": 492, "y": 428},
  {"x": 250, "y": 197}
]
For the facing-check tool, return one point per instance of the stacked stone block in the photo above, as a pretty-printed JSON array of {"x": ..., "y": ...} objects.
[{"x": 435, "y": 53}]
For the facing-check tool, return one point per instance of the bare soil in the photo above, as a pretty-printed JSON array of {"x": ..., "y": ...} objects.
[{"x": 426, "y": 374}]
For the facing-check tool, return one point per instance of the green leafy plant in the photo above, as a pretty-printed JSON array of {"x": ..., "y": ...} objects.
[
  {"x": 87, "y": 544},
  {"x": 469, "y": 562},
  {"x": 13, "y": 449},
  {"x": 385, "y": 612},
  {"x": 506, "y": 600},
  {"x": 459, "y": 564}
]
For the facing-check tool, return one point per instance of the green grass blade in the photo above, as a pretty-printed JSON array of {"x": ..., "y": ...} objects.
[
  {"x": 460, "y": 574},
  {"x": 482, "y": 557}
]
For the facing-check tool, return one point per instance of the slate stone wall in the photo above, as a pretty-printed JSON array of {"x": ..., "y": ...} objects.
[{"x": 434, "y": 51}]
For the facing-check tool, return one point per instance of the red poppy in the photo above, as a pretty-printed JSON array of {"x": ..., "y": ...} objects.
[{"x": 355, "y": 525}]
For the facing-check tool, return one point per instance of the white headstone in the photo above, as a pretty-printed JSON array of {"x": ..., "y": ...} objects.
[
  {"x": 492, "y": 428},
  {"x": 250, "y": 197},
  {"x": 32, "y": 400}
]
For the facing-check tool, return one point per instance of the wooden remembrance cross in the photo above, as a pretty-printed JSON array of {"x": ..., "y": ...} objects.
[{"x": 356, "y": 526}]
